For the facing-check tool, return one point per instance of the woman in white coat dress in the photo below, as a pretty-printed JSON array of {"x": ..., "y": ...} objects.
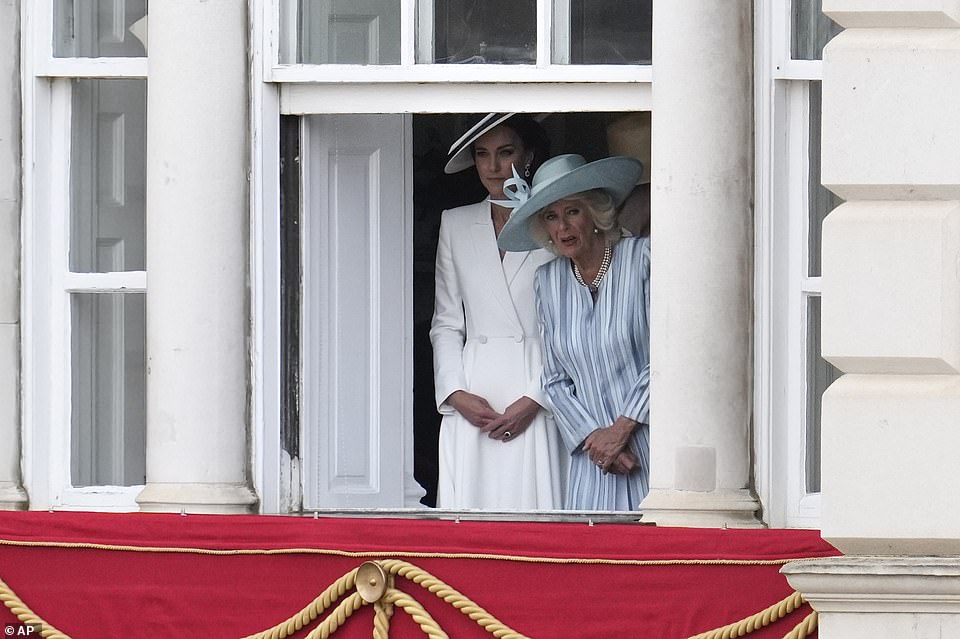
[{"x": 498, "y": 448}]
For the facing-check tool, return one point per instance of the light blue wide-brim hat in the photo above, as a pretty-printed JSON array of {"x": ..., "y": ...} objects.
[{"x": 560, "y": 177}]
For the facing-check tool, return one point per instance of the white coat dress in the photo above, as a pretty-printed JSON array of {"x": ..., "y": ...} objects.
[{"x": 486, "y": 341}]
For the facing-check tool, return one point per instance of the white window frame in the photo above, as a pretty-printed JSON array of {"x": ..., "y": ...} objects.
[
  {"x": 409, "y": 71},
  {"x": 405, "y": 88},
  {"x": 47, "y": 280},
  {"x": 782, "y": 286}
]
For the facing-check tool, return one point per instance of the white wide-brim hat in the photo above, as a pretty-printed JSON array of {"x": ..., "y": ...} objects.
[
  {"x": 560, "y": 177},
  {"x": 461, "y": 154}
]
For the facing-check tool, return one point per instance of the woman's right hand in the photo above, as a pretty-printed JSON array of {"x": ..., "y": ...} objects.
[{"x": 473, "y": 408}]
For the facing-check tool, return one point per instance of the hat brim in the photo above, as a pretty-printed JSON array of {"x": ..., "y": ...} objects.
[
  {"x": 616, "y": 175},
  {"x": 462, "y": 157}
]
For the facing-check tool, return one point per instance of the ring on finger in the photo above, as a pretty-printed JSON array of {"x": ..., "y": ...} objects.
[{"x": 507, "y": 434}]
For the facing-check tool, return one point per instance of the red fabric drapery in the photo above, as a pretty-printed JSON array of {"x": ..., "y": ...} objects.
[{"x": 541, "y": 579}]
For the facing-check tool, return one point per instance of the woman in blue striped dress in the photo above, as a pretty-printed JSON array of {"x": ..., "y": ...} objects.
[{"x": 594, "y": 309}]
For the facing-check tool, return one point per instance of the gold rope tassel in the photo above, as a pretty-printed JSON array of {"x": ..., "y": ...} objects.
[
  {"x": 763, "y": 618},
  {"x": 25, "y": 615}
]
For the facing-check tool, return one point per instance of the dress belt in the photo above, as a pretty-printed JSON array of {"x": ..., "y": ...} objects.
[{"x": 483, "y": 339}]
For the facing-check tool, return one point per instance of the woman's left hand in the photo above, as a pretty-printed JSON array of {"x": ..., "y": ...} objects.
[
  {"x": 604, "y": 444},
  {"x": 515, "y": 419}
]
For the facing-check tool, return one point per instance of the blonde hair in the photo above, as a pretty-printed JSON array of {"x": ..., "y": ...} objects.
[{"x": 603, "y": 213}]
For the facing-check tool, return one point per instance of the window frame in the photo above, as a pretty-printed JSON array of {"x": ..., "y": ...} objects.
[
  {"x": 410, "y": 71},
  {"x": 47, "y": 282},
  {"x": 782, "y": 282},
  {"x": 296, "y": 89}
]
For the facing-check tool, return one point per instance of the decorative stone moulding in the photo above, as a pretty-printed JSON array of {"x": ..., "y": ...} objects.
[
  {"x": 870, "y": 597},
  {"x": 890, "y": 131},
  {"x": 944, "y": 14},
  {"x": 213, "y": 498},
  {"x": 891, "y": 287},
  {"x": 888, "y": 457}
]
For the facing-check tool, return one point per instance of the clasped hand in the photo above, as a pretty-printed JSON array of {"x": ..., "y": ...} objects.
[
  {"x": 608, "y": 447},
  {"x": 504, "y": 427}
]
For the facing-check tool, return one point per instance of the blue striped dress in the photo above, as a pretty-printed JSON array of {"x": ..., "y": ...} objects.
[{"x": 597, "y": 367}]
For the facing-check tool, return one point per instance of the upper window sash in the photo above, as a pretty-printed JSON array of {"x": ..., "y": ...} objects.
[
  {"x": 38, "y": 20},
  {"x": 549, "y": 49},
  {"x": 799, "y": 32}
]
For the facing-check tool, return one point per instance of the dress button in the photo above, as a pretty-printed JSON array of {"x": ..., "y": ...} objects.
[
  {"x": 518, "y": 339},
  {"x": 482, "y": 339}
]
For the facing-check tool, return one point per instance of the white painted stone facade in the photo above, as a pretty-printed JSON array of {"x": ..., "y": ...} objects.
[{"x": 891, "y": 320}]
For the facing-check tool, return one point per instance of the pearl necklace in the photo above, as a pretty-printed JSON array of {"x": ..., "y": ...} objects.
[{"x": 594, "y": 286}]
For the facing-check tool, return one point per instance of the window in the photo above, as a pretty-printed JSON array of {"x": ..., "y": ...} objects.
[
  {"x": 791, "y": 376},
  {"x": 381, "y": 97},
  {"x": 374, "y": 189},
  {"x": 85, "y": 253}
]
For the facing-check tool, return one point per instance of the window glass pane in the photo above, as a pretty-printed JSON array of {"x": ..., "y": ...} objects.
[
  {"x": 811, "y": 30},
  {"x": 821, "y": 200},
  {"x": 108, "y": 421},
  {"x": 605, "y": 32},
  {"x": 108, "y": 176},
  {"x": 487, "y": 31},
  {"x": 340, "y": 31},
  {"x": 820, "y": 374},
  {"x": 99, "y": 28}
]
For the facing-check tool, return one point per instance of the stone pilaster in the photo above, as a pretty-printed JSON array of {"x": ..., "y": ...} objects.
[{"x": 891, "y": 322}]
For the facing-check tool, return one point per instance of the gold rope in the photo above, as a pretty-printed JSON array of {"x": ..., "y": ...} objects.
[
  {"x": 25, "y": 615},
  {"x": 417, "y": 612},
  {"x": 374, "y": 554},
  {"x": 427, "y": 581},
  {"x": 765, "y": 617},
  {"x": 381, "y": 619},
  {"x": 383, "y": 611},
  {"x": 329, "y": 625},
  {"x": 805, "y": 627},
  {"x": 313, "y": 610}
]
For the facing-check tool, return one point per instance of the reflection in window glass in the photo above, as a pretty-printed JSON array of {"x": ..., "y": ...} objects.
[
  {"x": 340, "y": 32},
  {"x": 99, "y": 28},
  {"x": 108, "y": 419},
  {"x": 108, "y": 176},
  {"x": 811, "y": 30},
  {"x": 484, "y": 31},
  {"x": 820, "y": 374},
  {"x": 821, "y": 199},
  {"x": 605, "y": 32}
]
